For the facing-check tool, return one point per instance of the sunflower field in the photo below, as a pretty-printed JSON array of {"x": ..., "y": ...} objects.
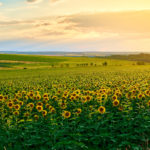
[{"x": 82, "y": 108}]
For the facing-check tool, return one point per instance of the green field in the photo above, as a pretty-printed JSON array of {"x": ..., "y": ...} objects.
[
  {"x": 35, "y": 61},
  {"x": 73, "y": 103}
]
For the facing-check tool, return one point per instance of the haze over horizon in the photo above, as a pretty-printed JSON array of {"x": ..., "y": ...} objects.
[{"x": 75, "y": 25}]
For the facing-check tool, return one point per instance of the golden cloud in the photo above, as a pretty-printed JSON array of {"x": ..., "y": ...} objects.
[
  {"x": 91, "y": 26},
  {"x": 34, "y": 1}
]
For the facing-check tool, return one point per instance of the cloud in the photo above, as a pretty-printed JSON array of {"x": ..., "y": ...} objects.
[
  {"x": 56, "y": 1},
  {"x": 122, "y": 22},
  {"x": 1, "y": 3},
  {"x": 34, "y": 1},
  {"x": 107, "y": 30}
]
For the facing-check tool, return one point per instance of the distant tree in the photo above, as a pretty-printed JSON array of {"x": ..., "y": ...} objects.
[
  {"x": 61, "y": 65},
  {"x": 53, "y": 65},
  {"x": 77, "y": 65},
  {"x": 105, "y": 63},
  {"x": 91, "y": 64},
  {"x": 67, "y": 65},
  {"x": 140, "y": 63}
]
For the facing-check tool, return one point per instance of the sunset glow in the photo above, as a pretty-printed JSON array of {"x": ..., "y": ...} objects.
[{"x": 75, "y": 25}]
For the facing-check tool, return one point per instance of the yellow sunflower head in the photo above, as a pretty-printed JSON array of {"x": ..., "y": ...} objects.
[
  {"x": 115, "y": 103},
  {"x": 66, "y": 114},
  {"x": 16, "y": 113},
  {"x": 39, "y": 108},
  {"x": 17, "y": 107},
  {"x": 26, "y": 114},
  {"x": 101, "y": 109},
  {"x": 36, "y": 117},
  {"x": 148, "y": 103},
  {"x": 79, "y": 110},
  {"x": 31, "y": 105},
  {"x": 114, "y": 97},
  {"x": 52, "y": 110},
  {"x": 10, "y": 104},
  {"x": 1, "y": 97},
  {"x": 44, "y": 113}
]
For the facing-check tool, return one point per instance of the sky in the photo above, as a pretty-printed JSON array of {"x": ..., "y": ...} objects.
[{"x": 75, "y": 25}]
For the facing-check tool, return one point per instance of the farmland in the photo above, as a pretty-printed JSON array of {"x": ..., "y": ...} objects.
[{"x": 63, "y": 103}]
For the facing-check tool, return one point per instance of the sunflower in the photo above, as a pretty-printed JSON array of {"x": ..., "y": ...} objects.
[
  {"x": 134, "y": 97},
  {"x": 26, "y": 97},
  {"x": 23, "y": 92},
  {"x": 101, "y": 109},
  {"x": 47, "y": 105},
  {"x": 36, "y": 117},
  {"x": 115, "y": 103},
  {"x": 40, "y": 104},
  {"x": 1, "y": 97},
  {"x": 90, "y": 107},
  {"x": 58, "y": 91},
  {"x": 20, "y": 103},
  {"x": 54, "y": 97},
  {"x": 72, "y": 98},
  {"x": 6, "y": 97},
  {"x": 10, "y": 104},
  {"x": 74, "y": 94},
  {"x": 64, "y": 97},
  {"x": 39, "y": 108},
  {"x": 66, "y": 114},
  {"x": 120, "y": 108},
  {"x": 79, "y": 110},
  {"x": 63, "y": 106},
  {"x": 88, "y": 98},
  {"x": 65, "y": 94},
  {"x": 35, "y": 98},
  {"x": 147, "y": 92},
  {"x": 50, "y": 107},
  {"x": 38, "y": 97},
  {"x": 19, "y": 95},
  {"x": 77, "y": 96},
  {"x": 46, "y": 98},
  {"x": 114, "y": 97},
  {"x": 52, "y": 110},
  {"x": 15, "y": 100},
  {"x": 31, "y": 94},
  {"x": 148, "y": 103},
  {"x": 37, "y": 92},
  {"x": 17, "y": 107},
  {"x": 45, "y": 95},
  {"x": 31, "y": 105},
  {"x": 26, "y": 114},
  {"x": 44, "y": 113},
  {"x": 140, "y": 96},
  {"x": 77, "y": 91},
  {"x": 16, "y": 113}
]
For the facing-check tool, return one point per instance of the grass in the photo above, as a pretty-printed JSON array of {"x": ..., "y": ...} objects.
[
  {"x": 9, "y": 65},
  {"x": 34, "y": 61},
  {"x": 32, "y": 58}
]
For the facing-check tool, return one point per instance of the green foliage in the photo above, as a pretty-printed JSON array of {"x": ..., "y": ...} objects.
[
  {"x": 9, "y": 65},
  {"x": 32, "y": 58},
  {"x": 134, "y": 57}
]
